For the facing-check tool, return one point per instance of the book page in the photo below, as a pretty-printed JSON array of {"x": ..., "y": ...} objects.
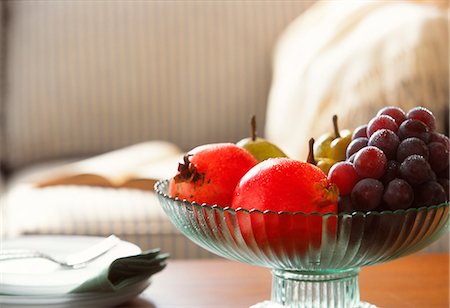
[
  {"x": 115, "y": 167},
  {"x": 161, "y": 169},
  {"x": 147, "y": 175}
]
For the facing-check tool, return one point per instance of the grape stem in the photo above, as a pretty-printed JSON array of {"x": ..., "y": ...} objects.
[
  {"x": 310, "y": 158},
  {"x": 253, "y": 127},
  {"x": 336, "y": 128}
]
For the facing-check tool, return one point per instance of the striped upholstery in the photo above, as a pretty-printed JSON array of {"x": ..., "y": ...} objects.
[{"x": 89, "y": 76}]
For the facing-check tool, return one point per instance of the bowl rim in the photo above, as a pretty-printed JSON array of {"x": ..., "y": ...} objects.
[{"x": 232, "y": 211}]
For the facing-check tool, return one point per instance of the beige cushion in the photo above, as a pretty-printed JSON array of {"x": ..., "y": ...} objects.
[
  {"x": 351, "y": 60},
  {"x": 85, "y": 77}
]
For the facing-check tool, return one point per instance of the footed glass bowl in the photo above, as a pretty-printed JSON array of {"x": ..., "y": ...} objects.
[{"x": 315, "y": 258}]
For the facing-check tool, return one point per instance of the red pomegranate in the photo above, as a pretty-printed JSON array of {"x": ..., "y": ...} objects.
[{"x": 210, "y": 173}]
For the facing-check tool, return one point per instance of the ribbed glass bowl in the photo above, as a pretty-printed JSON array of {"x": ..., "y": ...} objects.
[{"x": 315, "y": 258}]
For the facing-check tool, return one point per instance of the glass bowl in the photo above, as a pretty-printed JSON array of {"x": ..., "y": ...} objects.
[{"x": 315, "y": 258}]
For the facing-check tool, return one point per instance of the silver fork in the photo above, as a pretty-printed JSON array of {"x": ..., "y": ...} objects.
[{"x": 74, "y": 261}]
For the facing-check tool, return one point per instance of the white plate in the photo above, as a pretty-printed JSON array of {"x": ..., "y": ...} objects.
[
  {"x": 74, "y": 300},
  {"x": 39, "y": 277}
]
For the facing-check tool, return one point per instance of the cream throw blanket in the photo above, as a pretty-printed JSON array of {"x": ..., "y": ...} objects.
[{"x": 352, "y": 58}]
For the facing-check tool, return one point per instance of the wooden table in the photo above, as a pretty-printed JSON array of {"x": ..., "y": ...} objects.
[{"x": 413, "y": 281}]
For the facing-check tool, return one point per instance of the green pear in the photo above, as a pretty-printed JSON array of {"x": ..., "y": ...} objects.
[
  {"x": 260, "y": 148},
  {"x": 333, "y": 145},
  {"x": 339, "y": 145},
  {"x": 323, "y": 163},
  {"x": 322, "y": 145}
]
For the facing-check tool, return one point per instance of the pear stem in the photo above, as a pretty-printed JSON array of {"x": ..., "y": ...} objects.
[
  {"x": 253, "y": 127},
  {"x": 310, "y": 158},
  {"x": 335, "y": 126}
]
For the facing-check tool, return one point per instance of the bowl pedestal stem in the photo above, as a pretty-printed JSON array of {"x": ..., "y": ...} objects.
[{"x": 316, "y": 289}]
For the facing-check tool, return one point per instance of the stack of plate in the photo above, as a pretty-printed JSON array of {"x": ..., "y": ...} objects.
[{"x": 39, "y": 282}]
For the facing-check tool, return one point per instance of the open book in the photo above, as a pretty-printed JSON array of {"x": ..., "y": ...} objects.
[{"x": 138, "y": 166}]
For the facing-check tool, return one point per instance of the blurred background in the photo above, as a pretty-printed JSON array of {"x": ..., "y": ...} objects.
[{"x": 80, "y": 78}]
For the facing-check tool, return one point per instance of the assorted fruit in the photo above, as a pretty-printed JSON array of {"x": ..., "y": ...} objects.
[{"x": 397, "y": 161}]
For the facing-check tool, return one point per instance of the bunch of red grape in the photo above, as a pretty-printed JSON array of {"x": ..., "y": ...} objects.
[{"x": 396, "y": 161}]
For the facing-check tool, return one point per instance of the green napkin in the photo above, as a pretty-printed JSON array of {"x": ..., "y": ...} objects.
[{"x": 124, "y": 272}]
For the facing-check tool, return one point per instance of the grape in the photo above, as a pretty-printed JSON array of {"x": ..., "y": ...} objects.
[
  {"x": 411, "y": 146},
  {"x": 345, "y": 204},
  {"x": 429, "y": 193},
  {"x": 433, "y": 176},
  {"x": 356, "y": 145},
  {"x": 445, "y": 185},
  {"x": 416, "y": 170},
  {"x": 395, "y": 112},
  {"x": 439, "y": 159},
  {"x": 398, "y": 194},
  {"x": 344, "y": 176},
  {"x": 391, "y": 172},
  {"x": 441, "y": 138},
  {"x": 351, "y": 159},
  {"x": 445, "y": 174},
  {"x": 360, "y": 131},
  {"x": 414, "y": 128},
  {"x": 380, "y": 122},
  {"x": 367, "y": 194},
  {"x": 386, "y": 140},
  {"x": 424, "y": 115},
  {"x": 370, "y": 162}
]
